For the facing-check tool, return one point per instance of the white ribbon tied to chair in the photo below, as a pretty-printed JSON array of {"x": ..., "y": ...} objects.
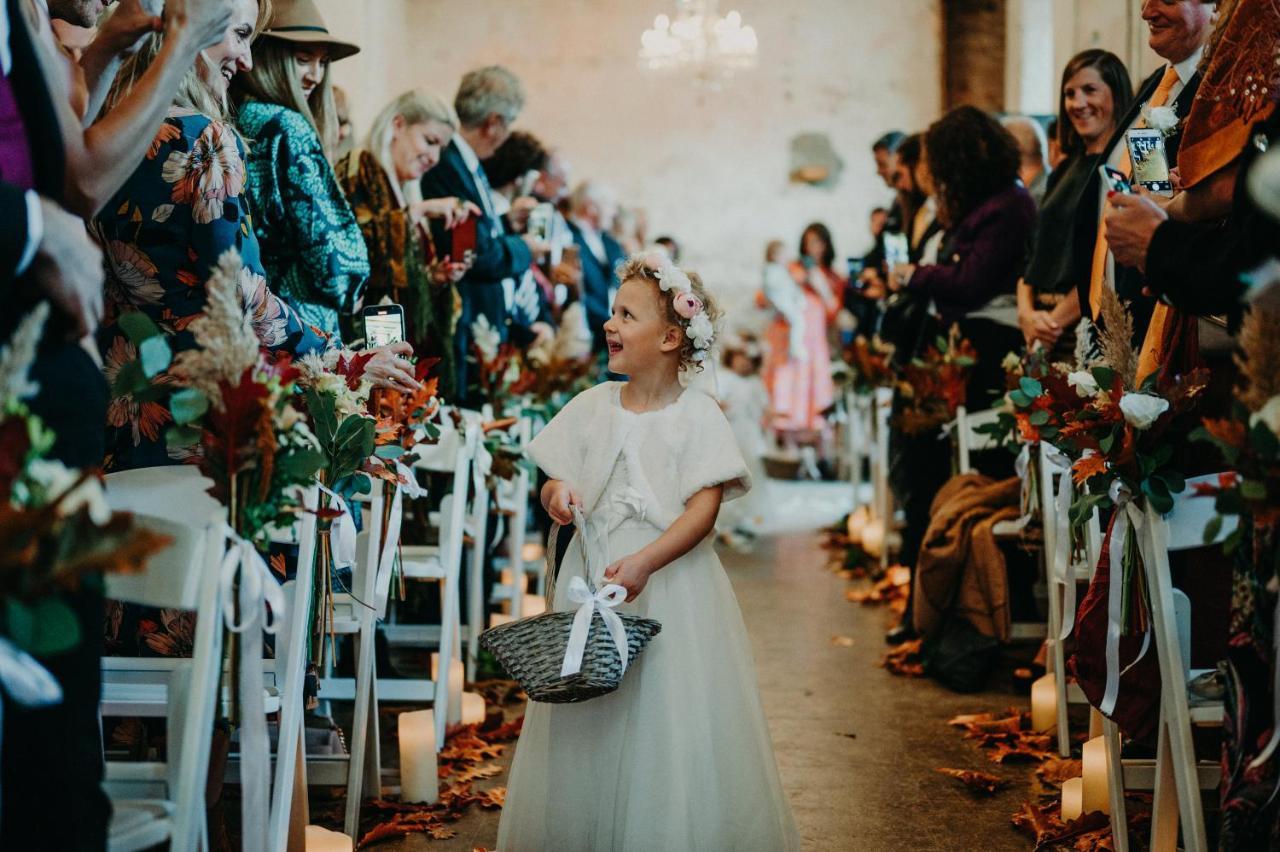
[
  {"x": 603, "y": 600},
  {"x": 262, "y": 608},
  {"x": 1128, "y": 519},
  {"x": 342, "y": 534},
  {"x": 1061, "y": 565},
  {"x": 391, "y": 539},
  {"x": 25, "y": 681}
]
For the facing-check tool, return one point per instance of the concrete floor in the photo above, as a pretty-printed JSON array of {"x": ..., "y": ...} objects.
[{"x": 856, "y": 746}]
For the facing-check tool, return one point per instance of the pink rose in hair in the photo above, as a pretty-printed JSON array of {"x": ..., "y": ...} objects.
[{"x": 687, "y": 305}]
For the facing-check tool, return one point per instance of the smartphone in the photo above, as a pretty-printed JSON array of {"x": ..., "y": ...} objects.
[
  {"x": 855, "y": 267},
  {"x": 383, "y": 325},
  {"x": 1115, "y": 180},
  {"x": 1150, "y": 162},
  {"x": 541, "y": 220},
  {"x": 897, "y": 251},
  {"x": 529, "y": 180},
  {"x": 463, "y": 238}
]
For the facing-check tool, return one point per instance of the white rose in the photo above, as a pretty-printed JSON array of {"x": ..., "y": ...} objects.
[
  {"x": 1162, "y": 118},
  {"x": 673, "y": 278},
  {"x": 700, "y": 330},
  {"x": 1084, "y": 383},
  {"x": 1268, "y": 414},
  {"x": 1011, "y": 362},
  {"x": 1141, "y": 410},
  {"x": 486, "y": 337}
]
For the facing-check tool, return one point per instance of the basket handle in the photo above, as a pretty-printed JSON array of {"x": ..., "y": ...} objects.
[{"x": 553, "y": 539}]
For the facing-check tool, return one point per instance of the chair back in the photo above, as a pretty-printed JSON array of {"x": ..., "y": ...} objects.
[
  {"x": 968, "y": 439},
  {"x": 1192, "y": 513}
]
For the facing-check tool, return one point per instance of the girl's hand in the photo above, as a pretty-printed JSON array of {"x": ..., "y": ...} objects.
[
  {"x": 557, "y": 498},
  {"x": 389, "y": 369},
  {"x": 632, "y": 573}
]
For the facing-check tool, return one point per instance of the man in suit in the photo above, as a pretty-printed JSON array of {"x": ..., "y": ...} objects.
[
  {"x": 1178, "y": 32},
  {"x": 496, "y": 286},
  {"x": 591, "y": 212}
]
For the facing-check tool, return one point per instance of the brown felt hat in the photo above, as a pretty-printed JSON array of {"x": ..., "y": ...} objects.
[{"x": 300, "y": 21}]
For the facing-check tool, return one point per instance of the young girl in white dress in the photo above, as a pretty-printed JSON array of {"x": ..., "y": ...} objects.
[{"x": 679, "y": 758}]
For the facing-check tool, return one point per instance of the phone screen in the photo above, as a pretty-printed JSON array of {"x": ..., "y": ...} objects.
[
  {"x": 896, "y": 250},
  {"x": 541, "y": 219},
  {"x": 382, "y": 329},
  {"x": 1150, "y": 162},
  {"x": 1115, "y": 180}
]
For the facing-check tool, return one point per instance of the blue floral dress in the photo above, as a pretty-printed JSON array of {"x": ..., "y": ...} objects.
[
  {"x": 312, "y": 248},
  {"x": 162, "y": 233}
]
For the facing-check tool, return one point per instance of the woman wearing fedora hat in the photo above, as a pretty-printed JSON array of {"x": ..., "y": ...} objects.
[{"x": 311, "y": 245}]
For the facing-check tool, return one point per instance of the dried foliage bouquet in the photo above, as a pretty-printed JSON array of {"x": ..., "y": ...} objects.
[
  {"x": 870, "y": 364},
  {"x": 931, "y": 388},
  {"x": 56, "y": 529}
]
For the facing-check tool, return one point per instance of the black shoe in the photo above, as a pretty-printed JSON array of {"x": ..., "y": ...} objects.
[{"x": 901, "y": 633}]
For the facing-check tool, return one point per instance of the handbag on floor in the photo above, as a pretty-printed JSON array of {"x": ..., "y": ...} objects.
[{"x": 567, "y": 657}]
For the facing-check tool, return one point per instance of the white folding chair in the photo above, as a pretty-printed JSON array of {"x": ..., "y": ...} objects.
[
  {"x": 1175, "y": 776},
  {"x": 1055, "y": 483},
  {"x": 882, "y": 494},
  {"x": 861, "y": 448},
  {"x": 158, "y": 802},
  {"x": 512, "y": 499},
  {"x": 968, "y": 439}
]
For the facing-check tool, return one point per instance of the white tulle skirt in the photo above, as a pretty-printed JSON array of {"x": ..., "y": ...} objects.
[{"x": 679, "y": 757}]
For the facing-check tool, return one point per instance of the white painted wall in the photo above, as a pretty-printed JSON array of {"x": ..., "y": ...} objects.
[{"x": 710, "y": 167}]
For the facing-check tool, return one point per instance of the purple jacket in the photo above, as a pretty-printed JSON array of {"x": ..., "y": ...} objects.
[{"x": 982, "y": 257}]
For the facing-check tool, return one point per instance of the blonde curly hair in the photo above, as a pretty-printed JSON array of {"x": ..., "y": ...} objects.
[{"x": 648, "y": 266}]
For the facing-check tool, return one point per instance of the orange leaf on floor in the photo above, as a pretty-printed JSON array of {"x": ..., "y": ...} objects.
[{"x": 982, "y": 783}]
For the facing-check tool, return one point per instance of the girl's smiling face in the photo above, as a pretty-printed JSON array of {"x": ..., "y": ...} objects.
[{"x": 638, "y": 332}]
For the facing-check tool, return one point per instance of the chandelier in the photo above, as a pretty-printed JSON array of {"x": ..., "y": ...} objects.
[{"x": 698, "y": 39}]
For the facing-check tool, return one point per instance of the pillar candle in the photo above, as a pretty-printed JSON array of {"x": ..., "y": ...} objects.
[
  {"x": 319, "y": 839},
  {"x": 1072, "y": 801},
  {"x": 1044, "y": 703},
  {"x": 472, "y": 708},
  {"x": 856, "y": 524},
  {"x": 532, "y": 552},
  {"x": 1094, "y": 796},
  {"x": 508, "y": 577},
  {"x": 533, "y": 605},
  {"x": 457, "y": 674},
  {"x": 419, "y": 777},
  {"x": 873, "y": 538},
  {"x": 499, "y": 618}
]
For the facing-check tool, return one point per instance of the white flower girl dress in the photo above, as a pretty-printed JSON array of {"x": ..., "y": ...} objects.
[{"x": 679, "y": 758}]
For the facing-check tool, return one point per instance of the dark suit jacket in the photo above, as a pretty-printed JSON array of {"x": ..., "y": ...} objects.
[
  {"x": 1129, "y": 282},
  {"x": 597, "y": 279},
  {"x": 495, "y": 258},
  {"x": 72, "y": 399}
]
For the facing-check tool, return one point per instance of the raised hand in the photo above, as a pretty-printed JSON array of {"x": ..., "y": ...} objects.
[{"x": 68, "y": 267}]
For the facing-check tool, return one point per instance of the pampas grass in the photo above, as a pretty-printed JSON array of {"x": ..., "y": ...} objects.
[
  {"x": 1259, "y": 358},
  {"x": 227, "y": 344},
  {"x": 1115, "y": 338},
  {"x": 19, "y": 354},
  {"x": 1086, "y": 352}
]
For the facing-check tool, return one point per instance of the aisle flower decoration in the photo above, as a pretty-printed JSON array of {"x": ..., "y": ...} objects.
[
  {"x": 557, "y": 369},
  {"x": 870, "y": 362},
  {"x": 931, "y": 388},
  {"x": 56, "y": 530},
  {"x": 498, "y": 366}
]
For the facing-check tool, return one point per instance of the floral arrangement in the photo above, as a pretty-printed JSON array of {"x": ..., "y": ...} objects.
[
  {"x": 1249, "y": 438},
  {"x": 231, "y": 406},
  {"x": 672, "y": 279},
  {"x": 56, "y": 529},
  {"x": 931, "y": 388},
  {"x": 557, "y": 369},
  {"x": 870, "y": 364},
  {"x": 498, "y": 366},
  {"x": 336, "y": 395}
]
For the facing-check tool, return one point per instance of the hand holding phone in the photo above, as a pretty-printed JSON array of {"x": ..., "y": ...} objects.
[
  {"x": 383, "y": 325},
  {"x": 1150, "y": 161},
  {"x": 1115, "y": 180}
]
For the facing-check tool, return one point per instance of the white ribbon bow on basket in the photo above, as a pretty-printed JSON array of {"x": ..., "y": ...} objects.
[
  {"x": 262, "y": 608},
  {"x": 602, "y": 599}
]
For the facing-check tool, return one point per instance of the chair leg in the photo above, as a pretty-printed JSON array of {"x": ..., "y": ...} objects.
[
  {"x": 1164, "y": 809},
  {"x": 1115, "y": 785},
  {"x": 360, "y": 724},
  {"x": 475, "y": 594},
  {"x": 373, "y": 758},
  {"x": 300, "y": 811}
]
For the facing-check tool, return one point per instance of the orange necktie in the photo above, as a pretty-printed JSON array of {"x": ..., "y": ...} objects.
[{"x": 1101, "y": 250}]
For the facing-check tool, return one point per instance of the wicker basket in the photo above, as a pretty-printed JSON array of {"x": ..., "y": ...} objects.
[{"x": 532, "y": 650}]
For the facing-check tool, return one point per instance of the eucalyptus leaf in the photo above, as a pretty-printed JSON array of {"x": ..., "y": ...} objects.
[
  {"x": 187, "y": 406},
  {"x": 138, "y": 327},
  {"x": 44, "y": 627},
  {"x": 155, "y": 356},
  {"x": 130, "y": 379},
  {"x": 179, "y": 437},
  {"x": 1252, "y": 489},
  {"x": 1030, "y": 386},
  {"x": 1212, "y": 529},
  {"x": 1104, "y": 376},
  {"x": 1039, "y": 417},
  {"x": 1019, "y": 399}
]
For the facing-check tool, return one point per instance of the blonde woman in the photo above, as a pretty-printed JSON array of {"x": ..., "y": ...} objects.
[
  {"x": 312, "y": 248},
  {"x": 404, "y": 144}
]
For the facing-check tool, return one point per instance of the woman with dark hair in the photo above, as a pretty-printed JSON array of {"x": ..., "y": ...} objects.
[
  {"x": 1095, "y": 92},
  {"x": 989, "y": 219},
  {"x": 915, "y": 197},
  {"x": 521, "y": 154},
  {"x": 801, "y": 388}
]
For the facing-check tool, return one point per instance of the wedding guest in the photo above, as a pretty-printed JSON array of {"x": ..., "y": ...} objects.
[
  {"x": 1178, "y": 31},
  {"x": 863, "y": 301},
  {"x": 405, "y": 265},
  {"x": 918, "y": 206},
  {"x": 488, "y": 102},
  {"x": 520, "y": 158},
  {"x": 1095, "y": 90},
  {"x": 1032, "y": 145},
  {"x": 800, "y": 389},
  {"x": 312, "y": 249},
  {"x": 591, "y": 210},
  {"x": 669, "y": 243},
  {"x": 989, "y": 219},
  {"x": 565, "y": 267},
  {"x": 51, "y": 755},
  {"x": 166, "y": 228}
]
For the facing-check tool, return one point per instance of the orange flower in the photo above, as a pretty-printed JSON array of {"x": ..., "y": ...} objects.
[
  {"x": 1087, "y": 467},
  {"x": 1026, "y": 431}
]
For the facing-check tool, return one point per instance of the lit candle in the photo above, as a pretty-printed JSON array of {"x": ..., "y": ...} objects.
[
  {"x": 419, "y": 777},
  {"x": 1072, "y": 799},
  {"x": 508, "y": 579},
  {"x": 533, "y": 605},
  {"x": 1094, "y": 797},
  {"x": 497, "y": 618},
  {"x": 532, "y": 552},
  {"x": 472, "y": 708},
  {"x": 318, "y": 839},
  {"x": 873, "y": 538},
  {"x": 857, "y": 523},
  {"x": 1044, "y": 703}
]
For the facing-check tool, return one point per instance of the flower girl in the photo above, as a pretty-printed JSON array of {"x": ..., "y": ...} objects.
[{"x": 679, "y": 757}]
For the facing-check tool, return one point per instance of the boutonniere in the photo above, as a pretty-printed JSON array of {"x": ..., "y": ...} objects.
[{"x": 1162, "y": 118}]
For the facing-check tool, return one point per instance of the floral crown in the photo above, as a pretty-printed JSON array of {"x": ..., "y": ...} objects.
[{"x": 672, "y": 279}]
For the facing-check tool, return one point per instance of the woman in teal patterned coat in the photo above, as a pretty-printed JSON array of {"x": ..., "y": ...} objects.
[{"x": 312, "y": 248}]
